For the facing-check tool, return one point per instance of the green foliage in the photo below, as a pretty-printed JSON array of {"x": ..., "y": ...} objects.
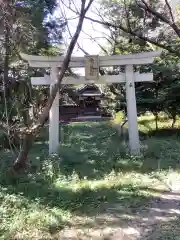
[
  {"x": 139, "y": 21},
  {"x": 33, "y": 32},
  {"x": 163, "y": 93},
  {"x": 43, "y": 28}
]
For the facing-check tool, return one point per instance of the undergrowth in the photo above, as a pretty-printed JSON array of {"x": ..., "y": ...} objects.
[{"x": 91, "y": 175}]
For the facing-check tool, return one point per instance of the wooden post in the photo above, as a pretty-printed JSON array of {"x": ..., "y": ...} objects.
[
  {"x": 54, "y": 117},
  {"x": 132, "y": 111}
]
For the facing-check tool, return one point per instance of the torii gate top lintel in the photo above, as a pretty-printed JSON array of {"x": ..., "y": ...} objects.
[{"x": 104, "y": 61}]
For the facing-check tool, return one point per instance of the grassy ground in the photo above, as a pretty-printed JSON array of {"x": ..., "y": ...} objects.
[{"x": 90, "y": 177}]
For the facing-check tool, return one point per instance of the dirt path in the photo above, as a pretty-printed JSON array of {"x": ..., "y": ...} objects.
[
  {"x": 158, "y": 221},
  {"x": 163, "y": 216}
]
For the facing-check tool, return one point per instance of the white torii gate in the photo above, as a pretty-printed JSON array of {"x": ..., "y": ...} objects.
[{"x": 91, "y": 65}]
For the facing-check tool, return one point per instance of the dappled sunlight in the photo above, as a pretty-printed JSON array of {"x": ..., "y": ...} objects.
[{"x": 92, "y": 187}]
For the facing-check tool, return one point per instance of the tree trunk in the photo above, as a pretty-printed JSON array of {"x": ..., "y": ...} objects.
[
  {"x": 21, "y": 161},
  {"x": 174, "y": 121},
  {"x": 156, "y": 120},
  {"x": 7, "y": 44}
]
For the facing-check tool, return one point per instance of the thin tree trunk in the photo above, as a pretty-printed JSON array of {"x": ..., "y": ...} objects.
[
  {"x": 156, "y": 120},
  {"x": 35, "y": 128},
  {"x": 174, "y": 121},
  {"x": 7, "y": 42},
  {"x": 21, "y": 161},
  {"x": 7, "y": 46},
  {"x": 6, "y": 59}
]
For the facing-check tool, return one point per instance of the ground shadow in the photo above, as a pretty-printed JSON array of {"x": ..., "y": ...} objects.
[
  {"x": 85, "y": 202},
  {"x": 94, "y": 150},
  {"x": 169, "y": 230},
  {"x": 113, "y": 207},
  {"x": 164, "y": 132}
]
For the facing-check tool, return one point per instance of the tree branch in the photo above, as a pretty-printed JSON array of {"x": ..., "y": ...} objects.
[
  {"x": 127, "y": 16},
  {"x": 130, "y": 31},
  {"x": 172, "y": 24},
  {"x": 170, "y": 10},
  {"x": 94, "y": 40},
  {"x": 82, "y": 49},
  {"x": 65, "y": 64},
  {"x": 136, "y": 34},
  {"x": 30, "y": 133},
  {"x": 89, "y": 5}
]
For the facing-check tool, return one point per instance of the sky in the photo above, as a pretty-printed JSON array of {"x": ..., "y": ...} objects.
[{"x": 95, "y": 31}]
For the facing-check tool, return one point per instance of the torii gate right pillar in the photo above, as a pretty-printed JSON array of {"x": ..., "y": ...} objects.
[{"x": 132, "y": 111}]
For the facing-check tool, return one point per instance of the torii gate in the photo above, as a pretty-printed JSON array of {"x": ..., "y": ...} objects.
[{"x": 91, "y": 65}]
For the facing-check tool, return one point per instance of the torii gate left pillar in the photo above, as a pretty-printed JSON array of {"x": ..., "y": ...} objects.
[{"x": 54, "y": 115}]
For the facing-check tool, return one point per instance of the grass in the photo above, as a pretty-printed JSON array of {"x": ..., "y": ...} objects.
[{"x": 91, "y": 178}]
